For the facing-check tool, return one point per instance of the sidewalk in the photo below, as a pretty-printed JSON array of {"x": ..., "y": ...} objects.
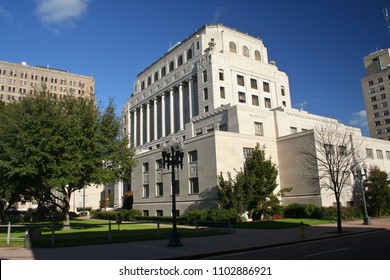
[{"x": 194, "y": 247}]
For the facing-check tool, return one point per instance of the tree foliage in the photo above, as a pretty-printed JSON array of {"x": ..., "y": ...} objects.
[
  {"x": 253, "y": 188},
  {"x": 49, "y": 148},
  {"x": 378, "y": 192}
]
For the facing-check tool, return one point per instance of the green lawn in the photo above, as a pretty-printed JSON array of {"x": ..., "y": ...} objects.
[{"x": 281, "y": 223}]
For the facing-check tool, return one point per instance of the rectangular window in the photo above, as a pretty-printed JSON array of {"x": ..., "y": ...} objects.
[
  {"x": 267, "y": 103},
  {"x": 379, "y": 154},
  {"x": 240, "y": 80},
  {"x": 145, "y": 167},
  {"x": 221, "y": 76},
  {"x": 159, "y": 213},
  {"x": 205, "y": 94},
  {"x": 204, "y": 76},
  {"x": 206, "y": 109},
  {"x": 282, "y": 91},
  {"x": 266, "y": 87},
  {"x": 145, "y": 213},
  {"x": 222, "y": 92},
  {"x": 241, "y": 97},
  {"x": 194, "y": 185},
  {"x": 369, "y": 153},
  {"x": 255, "y": 100},
  {"x": 159, "y": 189},
  {"x": 259, "y": 131},
  {"x": 293, "y": 130},
  {"x": 254, "y": 83},
  {"x": 192, "y": 156},
  {"x": 388, "y": 155},
  {"x": 247, "y": 152},
  {"x": 145, "y": 191}
]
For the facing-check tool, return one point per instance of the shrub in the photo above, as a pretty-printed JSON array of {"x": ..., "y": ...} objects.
[
  {"x": 302, "y": 211},
  {"x": 214, "y": 215},
  {"x": 197, "y": 214}
]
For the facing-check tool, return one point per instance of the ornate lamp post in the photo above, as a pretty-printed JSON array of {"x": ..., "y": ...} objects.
[
  {"x": 360, "y": 172},
  {"x": 172, "y": 156}
]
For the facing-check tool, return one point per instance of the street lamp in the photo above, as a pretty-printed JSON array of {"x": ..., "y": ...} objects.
[
  {"x": 360, "y": 172},
  {"x": 172, "y": 156}
]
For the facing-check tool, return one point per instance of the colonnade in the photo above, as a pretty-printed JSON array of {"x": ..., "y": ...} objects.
[{"x": 165, "y": 113}]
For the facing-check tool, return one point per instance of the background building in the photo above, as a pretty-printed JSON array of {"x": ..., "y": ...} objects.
[
  {"x": 18, "y": 80},
  {"x": 376, "y": 92},
  {"x": 218, "y": 92}
]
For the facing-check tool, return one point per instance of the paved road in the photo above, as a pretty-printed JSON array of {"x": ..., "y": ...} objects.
[{"x": 364, "y": 246}]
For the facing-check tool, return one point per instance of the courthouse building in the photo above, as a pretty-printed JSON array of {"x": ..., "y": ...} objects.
[{"x": 218, "y": 92}]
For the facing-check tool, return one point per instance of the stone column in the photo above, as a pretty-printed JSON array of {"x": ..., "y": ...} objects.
[
  {"x": 148, "y": 122},
  {"x": 155, "y": 130},
  {"x": 135, "y": 128},
  {"x": 171, "y": 112},
  {"x": 163, "y": 115},
  {"x": 181, "y": 117},
  {"x": 141, "y": 125},
  {"x": 190, "y": 97}
]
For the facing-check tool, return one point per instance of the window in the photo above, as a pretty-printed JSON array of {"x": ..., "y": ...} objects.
[
  {"x": 189, "y": 54},
  {"x": 156, "y": 76},
  {"x": 206, "y": 109},
  {"x": 232, "y": 47},
  {"x": 384, "y": 104},
  {"x": 370, "y": 83},
  {"x": 375, "y": 106},
  {"x": 205, "y": 94},
  {"x": 163, "y": 71},
  {"x": 387, "y": 155},
  {"x": 240, "y": 80},
  {"x": 282, "y": 91},
  {"x": 247, "y": 152},
  {"x": 373, "y": 98},
  {"x": 192, "y": 156},
  {"x": 145, "y": 213},
  {"x": 145, "y": 167},
  {"x": 266, "y": 87},
  {"x": 259, "y": 131},
  {"x": 204, "y": 76},
  {"x": 241, "y": 97},
  {"x": 386, "y": 113},
  {"x": 171, "y": 66},
  {"x": 376, "y": 115},
  {"x": 180, "y": 60},
  {"x": 194, "y": 185},
  {"x": 343, "y": 150},
  {"x": 379, "y": 154},
  {"x": 149, "y": 81},
  {"x": 257, "y": 55},
  {"x": 222, "y": 92},
  {"x": 255, "y": 100},
  {"x": 142, "y": 85},
  {"x": 254, "y": 83},
  {"x": 267, "y": 103},
  {"x": 380, "y": 80},
  {"x": 293, "y": 130},
  {"x": 369, "y": 153},
  {"x": 383, "y": 95},
  {"x": 377, "y": 123},
  {"x": 159, "y": 189},
  {"x": 221, "y": 76},
  {"x": 245, "y": 51},
  {"x": 145, "y": 191},
  {"x": 159, "y": 213},
  {"x": 329, "y": 149},
  {"x": 371, "y": 91},
  {"x": 381, "y": 88}
]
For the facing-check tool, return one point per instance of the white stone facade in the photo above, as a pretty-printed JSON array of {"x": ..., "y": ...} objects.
[{"x": 218, "y": 92}]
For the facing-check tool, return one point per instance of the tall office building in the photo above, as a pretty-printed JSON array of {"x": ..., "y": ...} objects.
[
  {"x": 19, "y": 80},
  {"x": 220, "y": 94},
  {"x": 376, "y": 92}
]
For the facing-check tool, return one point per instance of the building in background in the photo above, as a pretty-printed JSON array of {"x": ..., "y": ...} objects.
[
  {"x": 19, "y": 80},
  {"x": 376, "y": 92},
  {"x": 219, "y": 93}
]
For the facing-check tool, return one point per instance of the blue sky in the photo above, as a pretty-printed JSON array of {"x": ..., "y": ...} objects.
[{"x": 319, "y": 44}]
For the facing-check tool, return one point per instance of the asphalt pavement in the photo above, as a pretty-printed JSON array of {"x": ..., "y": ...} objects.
[{"x": 194, "y": 247}]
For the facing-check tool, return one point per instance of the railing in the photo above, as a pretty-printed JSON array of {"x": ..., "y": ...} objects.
[{"x": 33, "y": 233}]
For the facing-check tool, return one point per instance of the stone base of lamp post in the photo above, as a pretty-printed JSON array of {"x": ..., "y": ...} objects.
[
  {"x": 174, "y": 240},
  {"x": 367, "y": 221}
]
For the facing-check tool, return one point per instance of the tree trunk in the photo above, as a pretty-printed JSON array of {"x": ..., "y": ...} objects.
[
  {"x": 339, "y": 226},
  {"x": 65, "y": 210}
]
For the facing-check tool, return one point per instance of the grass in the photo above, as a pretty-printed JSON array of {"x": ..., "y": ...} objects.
[
  {"x": 89, "y": 232},
  {"x": 281, "y": 223}
]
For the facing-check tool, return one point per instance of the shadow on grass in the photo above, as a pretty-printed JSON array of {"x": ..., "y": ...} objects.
[{"x": 268, "y": 225}]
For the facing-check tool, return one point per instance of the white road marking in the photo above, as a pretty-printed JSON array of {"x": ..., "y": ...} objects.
[{"x": 326, "y": 252}]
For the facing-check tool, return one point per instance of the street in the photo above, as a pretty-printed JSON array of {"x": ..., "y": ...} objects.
[{"x": 366, "y": 246}]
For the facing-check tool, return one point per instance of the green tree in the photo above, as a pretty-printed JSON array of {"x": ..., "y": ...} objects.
[
  {"x": 378, "y": 192},
  {"x": 253, "y": 188},
  {"x": 52, "y": 147}
]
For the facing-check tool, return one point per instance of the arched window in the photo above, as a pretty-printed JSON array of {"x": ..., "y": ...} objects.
[
  {"x": 189, "y": 54},
  {"x": 180, "y": 60},
  {"x": 171, "y": 66},
  {"x": 232, "y": 47},
  {"x": 163, "y": 71},
  {"x": 257, "y": 55},
  {"x": 245, "y": 51}
]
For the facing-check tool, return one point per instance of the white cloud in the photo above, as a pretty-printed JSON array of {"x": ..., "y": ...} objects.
[
  {"x": 60, "y": 12},
  {"x": 359, "y": 119},
  {"x": 4, "y": 13}
]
